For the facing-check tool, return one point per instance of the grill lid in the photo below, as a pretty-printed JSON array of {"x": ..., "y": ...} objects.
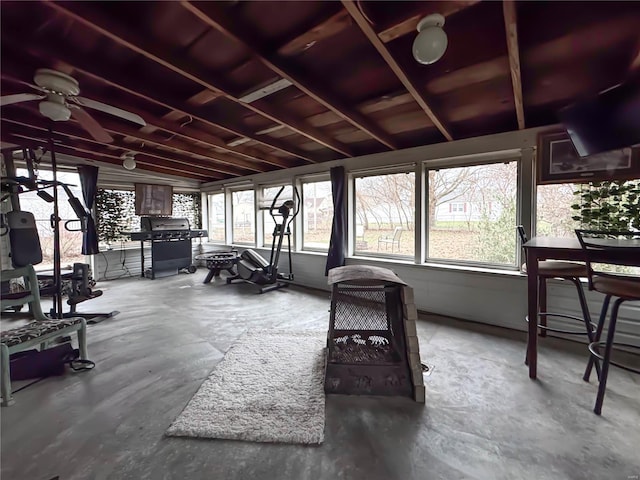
[{"x": 156, "y": 224}]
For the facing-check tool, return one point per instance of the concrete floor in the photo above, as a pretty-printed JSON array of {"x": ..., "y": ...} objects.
[{"x": 484, "y": 418}]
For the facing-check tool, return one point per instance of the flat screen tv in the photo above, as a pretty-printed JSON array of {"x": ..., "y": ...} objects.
[
  {"x": 154, "y": 200},
  {"x": 608, "y": 121}
]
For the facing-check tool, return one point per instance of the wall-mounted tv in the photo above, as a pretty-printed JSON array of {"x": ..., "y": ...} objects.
[
  {"x": 154, "y": 200},
  {"x": 608, "y": 121}
]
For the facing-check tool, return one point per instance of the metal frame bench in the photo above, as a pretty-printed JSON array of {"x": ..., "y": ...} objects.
[{"x": 36, "y": 333}]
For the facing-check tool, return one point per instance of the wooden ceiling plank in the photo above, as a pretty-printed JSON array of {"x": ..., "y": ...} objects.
[
  {"x": 34, "y": 142},
  {"x": 142, "y": 136},
  {"x": 110, "y": 77},
  {"x": 61, "y": 131},
  {"x": 411, "y": 24},
  {"x": 413, "y": 88},
  {"x": 511, "y": 27},
  {"x": 327, "y": 28},
  {"x": 131, "y": 40},
  {"x": 215, "y": 16}
]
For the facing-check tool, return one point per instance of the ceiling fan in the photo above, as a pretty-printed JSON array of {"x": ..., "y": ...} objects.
[{"x": 60, "y": 101}]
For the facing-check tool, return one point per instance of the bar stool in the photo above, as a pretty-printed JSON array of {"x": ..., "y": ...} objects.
[
  {"x": 619, "y": 248},
  {"x": 572, "y": 272}
]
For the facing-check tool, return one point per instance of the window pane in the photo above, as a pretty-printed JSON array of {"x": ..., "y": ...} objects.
[
  {"x": 268, "y": 194},
  {"x": 317, "y": 214},
  {"x": 385, "y": 213},
  {"x": 472, "y": 213},
  {"x": 70, "y": 242},
  {"x": 243, "y": 217},
  {"x": 216, "y": 217},
  {"x": 554, "y": 212}
]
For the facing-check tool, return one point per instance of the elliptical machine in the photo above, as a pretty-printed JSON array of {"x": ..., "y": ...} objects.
[{"x": 253, "y": 267}]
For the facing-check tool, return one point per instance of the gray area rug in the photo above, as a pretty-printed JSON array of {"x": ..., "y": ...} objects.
[{"x": 269, "y": 387}]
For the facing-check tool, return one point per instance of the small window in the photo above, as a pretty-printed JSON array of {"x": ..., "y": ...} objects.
[
  {"x": 243, "y": 217},
  {"x": 317, "y": 215},
  {"x": 216, "y": 227}
]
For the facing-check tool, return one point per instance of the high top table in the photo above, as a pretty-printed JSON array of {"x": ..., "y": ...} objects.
[{"x": 552, "y": 248}]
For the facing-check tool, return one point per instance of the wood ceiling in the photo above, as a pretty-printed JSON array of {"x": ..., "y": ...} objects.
[{"x": 355, "y": 87}]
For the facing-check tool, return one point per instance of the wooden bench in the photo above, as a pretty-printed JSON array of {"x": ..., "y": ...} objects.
[{"x": 36, "y": 333}]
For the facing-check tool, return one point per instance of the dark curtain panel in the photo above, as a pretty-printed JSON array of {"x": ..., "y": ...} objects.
[
  {"x": 338, "y": 242},
  {"x": 89, "y": 183}
]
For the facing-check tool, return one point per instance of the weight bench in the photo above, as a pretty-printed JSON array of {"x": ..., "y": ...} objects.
[{"x": 39, "y": 332}]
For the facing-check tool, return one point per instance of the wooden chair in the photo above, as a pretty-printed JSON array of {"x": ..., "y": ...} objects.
[
  {"x": 393, "y": 239},
  {"x": 624, "y": 246},
  {"x": 572, "y": 272},
  {"x": 37, "y": 333}
]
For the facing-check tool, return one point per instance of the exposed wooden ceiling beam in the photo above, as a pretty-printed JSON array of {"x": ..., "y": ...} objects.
[
  {"x": 511, "y": 27},
  {"x": 73, "y": 136},
  {"x": 110, "y": 76},
  {"x": 325, "y": 29},
  {"x": 34, "y": 141},
  {"x": 216, "y": 17},
  {"x": 414, "y": 89},
  {"x": 216, "y": 158},
  {"x": 411, "y": 24},
  {"x": 89, "y": 17}
]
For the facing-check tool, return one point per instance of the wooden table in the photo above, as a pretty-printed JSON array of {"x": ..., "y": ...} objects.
[{"x": 551, "y": 248}]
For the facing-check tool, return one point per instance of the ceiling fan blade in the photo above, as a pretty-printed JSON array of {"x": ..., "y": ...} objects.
[
  {"x": 90, "y": 124},
  {"x": 118, "y": 112},
  {"x": 19, "y": 97}
]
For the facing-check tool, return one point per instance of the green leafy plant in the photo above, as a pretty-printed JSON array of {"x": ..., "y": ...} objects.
[{"x": 611, "y": 205}]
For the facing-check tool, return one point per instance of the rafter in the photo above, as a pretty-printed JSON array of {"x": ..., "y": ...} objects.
[
  {"x": 327, "y": 28},
  {"x": 216, "y": 17},
  {"x": 35, "y": 141},
  {"x": 124, "y": 83},
  {"x": 511, "y": 27},
  {"x": 88, "y": 17},
  {"x": 410, "y": 85},
  {"x": 410, "y": 24},
  {"x": 73, "y": 137},
  {"x": 215, "y": 157}
]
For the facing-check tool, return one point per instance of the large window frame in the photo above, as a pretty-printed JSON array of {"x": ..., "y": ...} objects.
[
  {"x": 355, "y": 240},
  {"x": 522, "y": 206},
  {"x": 250, "y": 217},
  {"x": 300, "y": 184},
  {"x": 265, "y": 229},
  {"x": 209, "y": 214}
]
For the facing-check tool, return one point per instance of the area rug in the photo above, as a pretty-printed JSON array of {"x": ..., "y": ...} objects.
[{"x": 269, "y": 387}]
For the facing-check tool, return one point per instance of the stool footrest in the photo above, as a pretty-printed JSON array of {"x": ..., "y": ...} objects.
[
  {"x": 596, "y": 345},
  {"x": 559, "y": 330}
]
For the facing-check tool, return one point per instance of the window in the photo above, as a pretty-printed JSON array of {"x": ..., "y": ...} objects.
[
  {"x": 116, "y": 215},
  {"x": 554, "y": 212},
  {"x": 243, "y": 216},
  {"x": 317, "y": 215},
  {"x": 384, "y": 214},
  {"x": 216, "y": 227},
  {"x": 70, "y": 242},
  {"x": 472, "y": 213},
  {"x": 268, "y": 194}
]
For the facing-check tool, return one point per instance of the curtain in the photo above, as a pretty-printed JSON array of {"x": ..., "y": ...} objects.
[
  {"x": 338, "y": 242},
  {"x": 89, "y": 183}
]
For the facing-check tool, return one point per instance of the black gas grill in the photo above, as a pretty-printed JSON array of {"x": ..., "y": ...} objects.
[{"x": 170, "y": 242}]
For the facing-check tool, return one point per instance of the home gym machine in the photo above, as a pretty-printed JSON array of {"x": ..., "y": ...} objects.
[
  {"x": 24, "y": 239},
  {"x": 254, "y": 268}
]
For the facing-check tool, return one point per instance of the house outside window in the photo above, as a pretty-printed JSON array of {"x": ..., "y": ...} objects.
[{"x": 472, "y": 214}]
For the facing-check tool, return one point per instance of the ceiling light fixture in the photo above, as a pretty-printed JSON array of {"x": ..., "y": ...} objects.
[
  {"x": 128, "y": 160},
  {"x": 431, "y": 42}
]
